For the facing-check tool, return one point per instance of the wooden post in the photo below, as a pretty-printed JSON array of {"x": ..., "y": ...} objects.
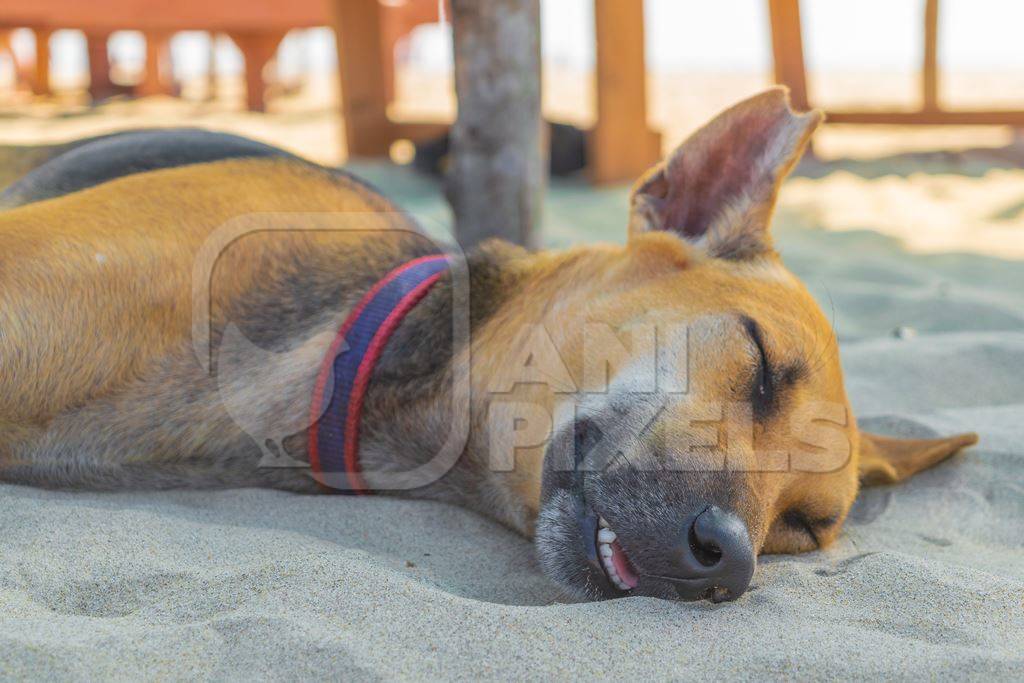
[
  {"x": 211, "y": 68},
  {"x": 258, "y": 49},
  {"x": 930, "y": 65},
  {"x": 41, "y": 81},
  {"x": 788, "y": 50},
  {"x": 100, "y": 85},
  {"x": 157, "y": 77},
  {"x": 357, "y": 29},
  {"x": 498, "y": 168},
  {"x": 5, "y": 48},
  {"x": 622, "y": 147}
]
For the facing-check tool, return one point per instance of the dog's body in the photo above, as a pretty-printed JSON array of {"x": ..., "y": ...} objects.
[
  {"x": 102, "y": 386},
  {"x": 103, "y": 299}
]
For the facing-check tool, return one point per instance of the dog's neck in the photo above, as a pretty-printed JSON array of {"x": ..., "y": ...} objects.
[{"x": 411, "y": 411}]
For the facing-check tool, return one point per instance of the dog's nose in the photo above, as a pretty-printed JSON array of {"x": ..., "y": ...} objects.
[{"x": 715, "y": 557}]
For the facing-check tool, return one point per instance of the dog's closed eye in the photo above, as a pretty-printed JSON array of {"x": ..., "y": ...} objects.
[
  {"x": 798, "y": 520},
  {"x": 767, "y": 378},
  {"x": 762, "y": 389}
]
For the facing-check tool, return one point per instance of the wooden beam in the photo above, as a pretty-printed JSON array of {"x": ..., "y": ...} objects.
[
  {"x": 930, "y": 65},
  {"x": 621, "y": 146},
  {"x": 497, "y": 167},
  {"x": 364, "y": 100},
  {"x": 936, "y": 117},
  {"x": 788, "y": 50},
  {"x": 244, "y": 16}
]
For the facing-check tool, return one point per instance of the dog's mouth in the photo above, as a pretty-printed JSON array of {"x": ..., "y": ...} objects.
[
  {"x": 614, "y": 562},
  {"x": 604, "y": 552}
]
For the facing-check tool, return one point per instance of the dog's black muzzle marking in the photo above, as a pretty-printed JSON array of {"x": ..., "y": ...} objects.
[{"x": 690, "y": 549}]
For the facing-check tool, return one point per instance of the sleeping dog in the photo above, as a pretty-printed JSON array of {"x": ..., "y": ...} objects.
[{"x": 655, "y": 415}]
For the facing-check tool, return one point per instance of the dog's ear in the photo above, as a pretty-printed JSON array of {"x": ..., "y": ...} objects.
[
  {"x": 886, "y": 460},
  {"x": 718, "y": 188}
]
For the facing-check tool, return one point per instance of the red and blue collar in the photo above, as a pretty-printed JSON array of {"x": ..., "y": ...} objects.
[{"x": 334, "y": 437}]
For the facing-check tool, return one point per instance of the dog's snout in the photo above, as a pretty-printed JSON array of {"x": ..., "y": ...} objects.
[{"x": 714, "y": 557}]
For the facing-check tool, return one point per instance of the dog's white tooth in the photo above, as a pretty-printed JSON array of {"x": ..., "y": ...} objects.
[
  {"x": 606, "y": 550},
  {"x": 602, "y": 522},
  {"x": 613, "y": 575},
  {"x": 606, "y": 536}
]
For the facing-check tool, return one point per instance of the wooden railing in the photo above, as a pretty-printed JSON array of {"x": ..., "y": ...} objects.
[
  {"x": 256, "y": 27},
  {"x": 790, "y": 70}
]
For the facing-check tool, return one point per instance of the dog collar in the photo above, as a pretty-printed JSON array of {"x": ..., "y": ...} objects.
[{"x": 334, "y": 437}]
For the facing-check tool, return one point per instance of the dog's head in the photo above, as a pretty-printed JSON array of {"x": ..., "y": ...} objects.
[{"x": 723, "y": 429}]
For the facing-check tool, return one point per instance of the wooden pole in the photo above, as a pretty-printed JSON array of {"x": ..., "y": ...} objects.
[
  {"x": 100, "y": 85},
  {"x": 497, "y": 174},
  {"x": 41, "y": 81},
  {"x": 930, "y": 65},
  {"x": 621, "y": 145},
  {"x": 211, "y": 68},
  {"x": 364, "y": 101},
  {"x": 788, "y": 50},
  {"x": 156, "y": 79}
]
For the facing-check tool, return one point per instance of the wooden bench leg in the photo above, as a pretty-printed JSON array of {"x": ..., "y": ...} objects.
[
  {"x": 41, "y": 79},
  {"x": 788, "y": 50},
  {"x": 357, "y": 29},
  {"x": 930, "y": 59},
  {"x": 211, "y": 69},
  {"x": 258, "y": 49},
  {"x": 100, "y": 85},
  {"x": 157, "y": 78},
  {"x": 621, "y": 145}
]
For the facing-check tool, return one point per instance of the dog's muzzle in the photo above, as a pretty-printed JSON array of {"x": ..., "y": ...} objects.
[{"x": 711, "y": 557}]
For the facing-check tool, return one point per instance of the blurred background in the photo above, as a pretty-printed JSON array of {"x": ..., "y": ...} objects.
[{"x": 269, "y": 70}]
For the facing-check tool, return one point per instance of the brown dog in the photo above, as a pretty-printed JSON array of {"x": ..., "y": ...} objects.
[{"x": 655, "y": 414}]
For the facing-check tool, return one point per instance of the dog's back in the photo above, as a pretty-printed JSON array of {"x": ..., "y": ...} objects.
[{"x": 62, "y": 169}]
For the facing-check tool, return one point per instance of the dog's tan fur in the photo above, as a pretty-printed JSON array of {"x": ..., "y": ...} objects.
[{"x": 100, "y": 385}]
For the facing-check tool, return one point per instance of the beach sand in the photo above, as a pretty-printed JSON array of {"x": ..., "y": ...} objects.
[{"x": 927, "y": 580}]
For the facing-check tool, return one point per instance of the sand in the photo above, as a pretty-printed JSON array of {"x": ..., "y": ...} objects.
[{"x": 927, "y": 581}]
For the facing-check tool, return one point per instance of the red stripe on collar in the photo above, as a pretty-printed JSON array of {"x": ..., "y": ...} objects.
[{"x": 344, "y": 377}]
